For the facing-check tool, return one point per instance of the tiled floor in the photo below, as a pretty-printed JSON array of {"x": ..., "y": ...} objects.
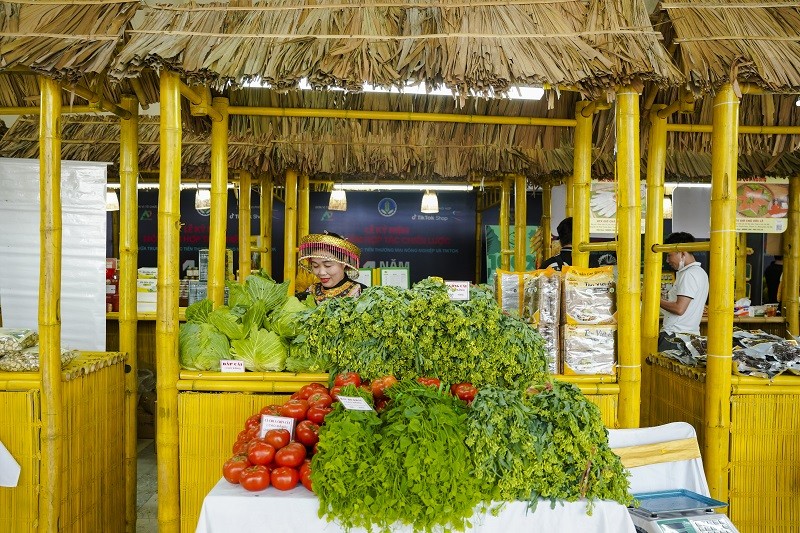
[{"x": 146, "y": 497}]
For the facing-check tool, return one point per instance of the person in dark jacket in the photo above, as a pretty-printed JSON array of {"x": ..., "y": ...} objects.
[
  {"x": 772, "y": 277},
  {"x": 564, "y": 257}
]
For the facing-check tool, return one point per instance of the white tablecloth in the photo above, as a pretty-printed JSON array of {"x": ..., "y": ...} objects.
[{"x": 230, "y": 508}]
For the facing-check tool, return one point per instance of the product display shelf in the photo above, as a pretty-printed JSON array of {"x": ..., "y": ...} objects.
[
  {"x": 764, "y": 440},
  {"x": 145, "y": 336},
  {"x": 212, "y": 408},
  {"x": 775, "y": 325},
  {"x": 93, "y": 490}
]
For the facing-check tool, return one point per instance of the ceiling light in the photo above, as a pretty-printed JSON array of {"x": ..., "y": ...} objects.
[
  {"x": 797, "y": 103},
  {"x": 202, "y": 199},
  {"x": 112, "y": 201},
  {"x": 401, "y": 187},
  {"x": 430, "y": 202},
  {"x": 338, "y": 200}
]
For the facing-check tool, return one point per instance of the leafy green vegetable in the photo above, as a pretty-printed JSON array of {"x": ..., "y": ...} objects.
[
  {"x": 262, "y": 351},
  {"x": 254, "y": 317},
  {"x": 284, "y": 321},
  {"x": 265, "y": 289},
  {"x": 201, "y": 346},
  {"x": 198, "y": 312},
  {"x": 228, "y": 323}
]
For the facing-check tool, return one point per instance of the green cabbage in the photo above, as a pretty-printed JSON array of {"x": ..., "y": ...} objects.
[
  {"x": 198, "y": 312},
  {"x": 262, "y": 351},
  {"x": 265, "y": 289},
  {"x": 201, "y": 346},
  {"x": 285, "y": 320},
  {"x": 227, "y": 322},
  {"x": 238, "y": 295},
  {"x": 254, "y": 317}
]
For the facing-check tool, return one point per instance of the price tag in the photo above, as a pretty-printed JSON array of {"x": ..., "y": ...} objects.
[
  {"x": 354, "y": 403},
  {"x": 276, "y": 422},
  {"x": 229, "y": 365},
  {"x": 458, "y": 290}
]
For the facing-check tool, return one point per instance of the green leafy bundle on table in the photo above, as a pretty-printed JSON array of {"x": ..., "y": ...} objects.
[
  {"x": 420, "y": 332},
  {"x": 255, "y": 327},
  {"x": 548, "y": 442},
  {"x": 409, "y": 466}
]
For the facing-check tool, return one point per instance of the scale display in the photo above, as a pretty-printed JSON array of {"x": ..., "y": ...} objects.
[{"x": 679, "y": 511}]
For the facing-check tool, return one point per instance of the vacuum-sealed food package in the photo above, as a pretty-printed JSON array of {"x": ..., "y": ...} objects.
[
  {"x": 589, "y": 349},
  {"x": 589, "y": 295}
]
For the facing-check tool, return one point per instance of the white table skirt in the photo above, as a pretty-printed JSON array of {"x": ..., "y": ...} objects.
[{"x": 230, "y": 508}]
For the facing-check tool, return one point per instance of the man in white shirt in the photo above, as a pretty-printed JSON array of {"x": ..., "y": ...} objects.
[{"x": 684, "y": 305}]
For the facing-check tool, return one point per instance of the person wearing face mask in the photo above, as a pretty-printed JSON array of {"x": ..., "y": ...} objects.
[
  {"x": 683, "y": 307},
  {"x": 334, "y": 261}
]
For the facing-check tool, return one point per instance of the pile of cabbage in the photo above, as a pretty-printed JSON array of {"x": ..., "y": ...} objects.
[{"x": 255, "y": 327}]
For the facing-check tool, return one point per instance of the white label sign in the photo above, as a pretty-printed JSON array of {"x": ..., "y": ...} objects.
[
  {"x": 458, "y": 290},
  {"x": 229, "y": 365},
  {"x": 276, "y": 422},
  {"x": 354, "y": 403}
]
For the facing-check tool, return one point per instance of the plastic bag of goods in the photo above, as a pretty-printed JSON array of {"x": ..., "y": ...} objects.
[
  {"x": 27, "y": 360},
  {"x": 589, "y": 349},
  {"x": 508, "y": 289},
  {"x": 16, "y": 339},
  {"x": 589, "y": 295},
  {"x": 550, "y": 334},
  {"x": 542, "y": 296}
]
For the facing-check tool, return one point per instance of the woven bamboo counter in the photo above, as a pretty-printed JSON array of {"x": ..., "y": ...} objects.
[
  {"x": 764, "y": 444},
  {"x": 212, "y": 408},
  {"x": 94, "y": 483}
]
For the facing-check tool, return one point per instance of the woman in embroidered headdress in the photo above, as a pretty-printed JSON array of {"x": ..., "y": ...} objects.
[{"x": 334, "y": 261}]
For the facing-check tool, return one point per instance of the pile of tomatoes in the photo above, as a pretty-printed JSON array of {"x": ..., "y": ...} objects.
[{"x": 278, "y": 460}]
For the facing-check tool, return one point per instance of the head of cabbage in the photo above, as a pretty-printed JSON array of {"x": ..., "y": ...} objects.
[{"x": 201, "y": 347}]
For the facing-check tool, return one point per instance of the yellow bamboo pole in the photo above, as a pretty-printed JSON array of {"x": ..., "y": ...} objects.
[
  {"x": 302, "y": 206},
  {"x": 724, "y": 150},
  {"x": 128, "y": 260},
  {"x": 629, "y": 233},
  {"x": 582, "y": 177},
  {"x": 265, "y": 221},
  {"x": 790, "y": 287},
  {"x": 547, "y": 210},
  {"x": 169, "y": 219},
  {"x": 49, "y": 303},
  {"x": 244, "y": 224},
  {"x": 653, "y": 234},
  {"x": 218, "y": 233},
  {"x": 520, "y": 222},
  {"x": 752, "y": 130},
  {"x": 505, "y": 217},
  {"x": 569, "y": 203},
  {"x": 290, "y": 230},
  {"x": 740, "y": 281},
  {"x": 478, "y": 244}
]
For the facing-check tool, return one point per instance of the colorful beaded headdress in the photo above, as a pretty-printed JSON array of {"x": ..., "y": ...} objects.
[{"x": 328, "y": 246}]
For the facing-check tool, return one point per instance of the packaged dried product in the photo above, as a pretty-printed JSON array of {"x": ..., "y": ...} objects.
[
  {"x": 27, "y": 360},
  {"x": 549, "y": 333},
  {"x": 589, "y": 295},
  {"x": 16, "y": 339},
  {"x": 589, "y": 349},
  {"x": 511, "y": 292}
]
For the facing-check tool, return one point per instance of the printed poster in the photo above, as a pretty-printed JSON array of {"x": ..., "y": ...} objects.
[{"x": 762, "y": 205}]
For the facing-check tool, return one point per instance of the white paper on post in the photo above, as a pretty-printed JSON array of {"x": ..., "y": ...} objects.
[
  {"x": 354, "y": 403},
  {"x": 9, "y": 468},
  {"x": 276, "y": 422}
]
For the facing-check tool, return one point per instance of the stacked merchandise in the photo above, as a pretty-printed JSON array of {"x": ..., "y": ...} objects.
[
  {"x": 590, "y": 315},
  {"x": 19, "y": 351},
  {"x": 112, "y": 285},
  {"x": 146, "y": 287}
]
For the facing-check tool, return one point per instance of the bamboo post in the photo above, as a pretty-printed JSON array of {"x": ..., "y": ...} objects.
[
  {"x": 302, "y": 206},
  {"x": 791, "y": 260},
  {"x": 265, "y": 222},
  {"x": 653, "y": 234},
  {"x": 244, "y": 224},
  {"x": 169, "y": 220},
  {"x": 290, "y": 230},
  {"x": 629, "y": 232},
  {"x": 740, "y": 281},
  {"x": 569, "y": 203},
  {"x": 582, "y": 177},
  {"x": 218, "y": 232},
  {"x": 478, "y": 245},
  {"x": 505, "y": 217},
  {"x": 724, "y": 150},
  {"x": 520, "y": 222},
  {"x": 51, "y": 472},
  {"x": 128, "y": 261},
  {"x": 547, "y": 210}
]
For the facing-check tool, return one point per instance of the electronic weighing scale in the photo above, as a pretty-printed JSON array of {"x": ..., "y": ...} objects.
[{"x": 679, "y": 511}]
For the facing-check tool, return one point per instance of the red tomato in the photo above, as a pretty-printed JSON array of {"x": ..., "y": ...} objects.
[
  {"x": 240, "y": 446},
  {"x": 260, "y": 453},
  {"x": 312, "y": 388},
  {"x": 253, "y": 422},
  {"x": 307, "y": 433},
  {"x": 381, "y": 404},
  {"x": 255, "y": 478},
  {"x": 295, "y": 409},
  {"x": 291, "y": 455},
  {"x": 317, "y": 414},
  {"x": 335, "y": 392},
  {"x": 305, "y": 478},
  {"x": 285, "y": 478},
  {"x": 347, "y": 378},
  {"x": 271, "y": 410},
  {"x": 295, "y": 396},
  {"x": 464, "y": 391},
  {"x": 320, "y": 398},
  {"x": 429, "y": 382},
  {"x": 277, "y": 438},
  {"x": 233, "y": 467},
  {"x": 380, "y": 385}
]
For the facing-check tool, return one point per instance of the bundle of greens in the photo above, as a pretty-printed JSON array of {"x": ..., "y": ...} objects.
[{"x": 420, "y": 332}]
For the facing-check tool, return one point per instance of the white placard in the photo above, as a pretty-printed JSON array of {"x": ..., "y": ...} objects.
[
  {"x": 458, "y": 290},
  {"x": 395, "y": 277},
  {"x": 229, "y": 365},
  {"x": 354, "y": 403},
  {"x": 276, "y": 422}
]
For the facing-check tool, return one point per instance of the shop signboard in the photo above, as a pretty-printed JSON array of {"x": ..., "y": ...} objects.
[{"x": 762, "y": 205}]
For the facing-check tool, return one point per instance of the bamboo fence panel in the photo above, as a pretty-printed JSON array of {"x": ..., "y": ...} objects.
[
  {"x": 93, "y": 489},
  {"x": 609, "y": 406},
  {"x": 676, "y": 394}
]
